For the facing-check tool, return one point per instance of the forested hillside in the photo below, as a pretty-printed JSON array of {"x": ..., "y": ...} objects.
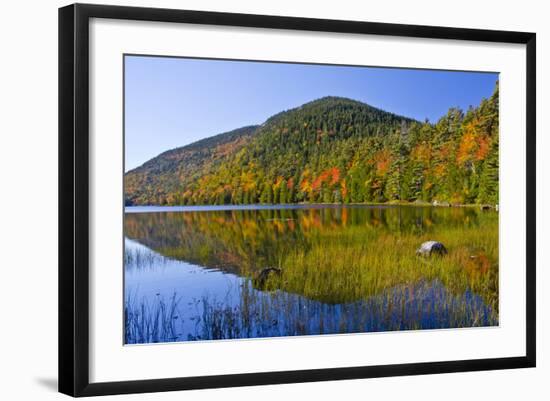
[
  {"x": 159, "y": 181},
  {"x": 332, "y": 150}
]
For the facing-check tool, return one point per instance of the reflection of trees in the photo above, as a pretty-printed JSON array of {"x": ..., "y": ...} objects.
[
  {"x": 334, "y": 255},
  {"x": 245, "y": 241}
]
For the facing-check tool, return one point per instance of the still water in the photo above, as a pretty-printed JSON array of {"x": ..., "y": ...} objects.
[{"x": 205, "y": 273}]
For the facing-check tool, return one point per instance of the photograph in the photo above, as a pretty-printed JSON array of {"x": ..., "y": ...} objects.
[{"x": 275, "y": 199}]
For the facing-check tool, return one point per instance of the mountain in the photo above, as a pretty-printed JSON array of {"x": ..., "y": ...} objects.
[
  {"x": 332, "y": 149},
  {"x": 155, "y": 180}
]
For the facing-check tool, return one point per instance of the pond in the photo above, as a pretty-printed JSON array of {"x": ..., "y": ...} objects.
[{"x": 207, "y": 273}]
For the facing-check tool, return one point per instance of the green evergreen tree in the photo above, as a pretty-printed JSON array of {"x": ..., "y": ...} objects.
[{"x": 488, "y": 185}]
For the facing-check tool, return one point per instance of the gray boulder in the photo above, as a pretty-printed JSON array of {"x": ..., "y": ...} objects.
[{"x": 430, "y": 248}]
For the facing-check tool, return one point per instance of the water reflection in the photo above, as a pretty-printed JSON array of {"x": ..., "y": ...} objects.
[{"x": 192, "y": 274}]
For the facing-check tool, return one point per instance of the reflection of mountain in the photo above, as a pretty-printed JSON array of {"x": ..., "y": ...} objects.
[
  {"x": 331, "y": 150},
  {"x": 333, "y": 255}
]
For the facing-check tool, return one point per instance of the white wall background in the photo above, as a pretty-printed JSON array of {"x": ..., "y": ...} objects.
[{"x": 28, "y": 199}]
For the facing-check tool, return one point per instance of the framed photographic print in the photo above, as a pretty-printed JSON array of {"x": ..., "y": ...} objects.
[{"x": 274, "y": 200}]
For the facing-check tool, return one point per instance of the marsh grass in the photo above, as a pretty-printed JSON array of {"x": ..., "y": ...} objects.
[
  {"x": 151, "y": 323},
  {"x": 137, "y": 258},
  {"x": 355, "y": 263},
  {"x": 425, "y": 305}
]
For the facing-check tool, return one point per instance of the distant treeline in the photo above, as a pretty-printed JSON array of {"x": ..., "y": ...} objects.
[{"x": 332, "y": 150}]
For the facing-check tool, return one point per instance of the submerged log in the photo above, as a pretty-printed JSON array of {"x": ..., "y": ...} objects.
[{"x": 430, "y": 248}]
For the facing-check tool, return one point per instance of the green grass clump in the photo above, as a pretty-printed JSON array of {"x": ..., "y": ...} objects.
[{"x": 352, "y": 263}]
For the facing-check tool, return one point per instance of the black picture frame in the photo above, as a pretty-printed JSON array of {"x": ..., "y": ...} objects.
[{"x": 74, "y": 200}]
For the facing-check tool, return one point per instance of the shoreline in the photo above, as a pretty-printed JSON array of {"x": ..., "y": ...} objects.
[{"x": 290, "y": 206}]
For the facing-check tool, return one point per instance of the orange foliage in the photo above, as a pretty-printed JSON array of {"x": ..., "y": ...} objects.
[
  {"x": 330, "y": 176},
  {"x": 317, "y": 183},
  {"x": 482, "y": 148},
  {"x": 466, "y": 147},
  {"x": 248, "y": 181},
  {"x": 335, "y": 175},
  {"x": 422, "y": 152},
  {"x": 290, "y": 183},
  {"x": 344, "y": 188},
  {"x": 474, "y": 144},
  {"x": 344, "y": 217},
  {"x": 278, "y": 182},
  {"x": 445, "y": 151},
  {"x": 305, "y": 185},
  {"x": 382, "y": 159},
  {"x": 440, "y": 170}
]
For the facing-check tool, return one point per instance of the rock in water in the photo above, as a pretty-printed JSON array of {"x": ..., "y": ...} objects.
[
  {"x": 430, "y": 248},
  {"x": 261, "y": 279}
]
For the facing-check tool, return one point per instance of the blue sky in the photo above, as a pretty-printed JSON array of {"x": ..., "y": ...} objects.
[{"x": 171, "y": 102}]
